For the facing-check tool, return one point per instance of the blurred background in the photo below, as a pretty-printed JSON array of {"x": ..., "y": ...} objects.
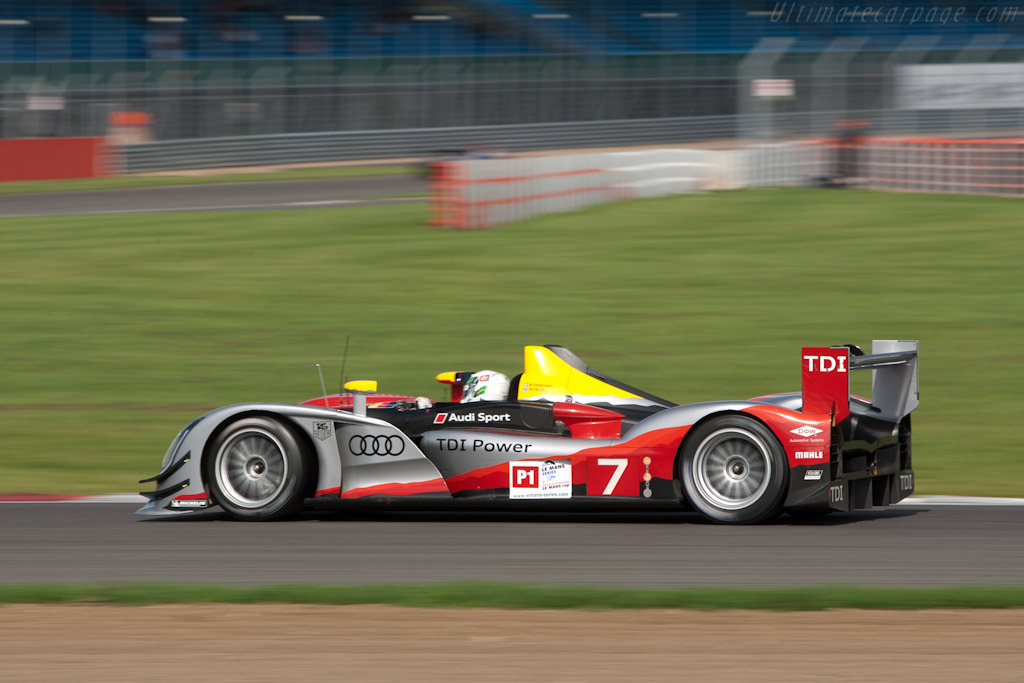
[
  {"x": 132, "y": 324},
  {"x": 664, "y": 71}
]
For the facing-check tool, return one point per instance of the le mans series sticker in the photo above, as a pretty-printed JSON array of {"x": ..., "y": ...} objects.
[{"x": 540, "y": 479}]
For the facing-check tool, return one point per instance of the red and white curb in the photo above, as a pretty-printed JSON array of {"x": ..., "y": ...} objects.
[
  {"x": 59, "y": 498},
  {"x": 932, "y": 501},
  {"x": 926, "y": 501}
]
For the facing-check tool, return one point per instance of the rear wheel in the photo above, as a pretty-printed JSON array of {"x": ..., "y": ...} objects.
[
  {"x": 257, "y": 470},
  {"x": 734, "y": 470}
]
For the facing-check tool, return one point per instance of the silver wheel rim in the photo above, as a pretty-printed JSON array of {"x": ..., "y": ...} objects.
[
  {"x": 732, "y": 468},
  {"x": 251, "y": 468}
]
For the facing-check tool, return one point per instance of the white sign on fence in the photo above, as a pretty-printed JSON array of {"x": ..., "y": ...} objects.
[
  {"x": 960, "y": 86},
  {"x": 42, "y": 103}
]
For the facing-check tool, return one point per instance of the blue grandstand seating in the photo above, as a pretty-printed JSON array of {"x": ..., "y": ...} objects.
[{"x": 54, "y": 30}]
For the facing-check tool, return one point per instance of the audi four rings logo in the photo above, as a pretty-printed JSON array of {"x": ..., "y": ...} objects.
[{"x": 376, "y": 445}]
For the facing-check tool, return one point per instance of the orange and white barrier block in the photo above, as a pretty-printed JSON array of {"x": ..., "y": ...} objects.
[{"x": 478, "y": 193}]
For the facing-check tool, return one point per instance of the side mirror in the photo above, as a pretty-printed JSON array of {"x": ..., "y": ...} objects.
[
  {"x": 360, "y": 388},
  {"x": 457, "y": 380}
]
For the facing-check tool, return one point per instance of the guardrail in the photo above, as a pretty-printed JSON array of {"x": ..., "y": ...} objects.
[
  {"x": 262, "y": 150},
  {"x": 259, "y": 150}
]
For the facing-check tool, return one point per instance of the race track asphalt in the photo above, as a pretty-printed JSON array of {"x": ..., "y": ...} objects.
[
  {"x": 908, "y": 545},
  {"x": 252, "y": 196}
]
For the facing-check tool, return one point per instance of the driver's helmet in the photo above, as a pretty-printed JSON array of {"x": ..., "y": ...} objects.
[{"x": 486, "y": 385}]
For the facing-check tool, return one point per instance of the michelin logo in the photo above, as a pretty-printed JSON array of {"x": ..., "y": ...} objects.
[{"x": 189, "y": 503}]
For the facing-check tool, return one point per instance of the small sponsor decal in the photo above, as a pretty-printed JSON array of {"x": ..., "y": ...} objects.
[
  {"x": 806, "y": 430},
  {"x": 481, "y": 446},
  {"x": 477, "y": 417},
  {"x": 322, "y": 430},
  {"x": 826, "y": 363},
  {"x": 189, "y": 503},
  {"x": 539, "y": 479},
  {"x": 813, "y": 475},
  {"x": 810, "y": 455},
  {"x": 376, "y": 444},
  {"x": 835, "y": 493},
  {"x": 480, "y": 417},
  {"x": 906, "y": 482}
]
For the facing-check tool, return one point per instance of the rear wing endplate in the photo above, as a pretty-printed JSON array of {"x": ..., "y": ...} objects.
[
  {"x": 826, "y": 378},
  {"x": 893, "y": 366}
]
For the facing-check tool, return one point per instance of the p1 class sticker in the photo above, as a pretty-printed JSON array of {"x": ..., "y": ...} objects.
[{"x": 539, "y": 479}]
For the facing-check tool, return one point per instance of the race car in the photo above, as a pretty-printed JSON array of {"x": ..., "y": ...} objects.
[{"x": 562, "y": 433}]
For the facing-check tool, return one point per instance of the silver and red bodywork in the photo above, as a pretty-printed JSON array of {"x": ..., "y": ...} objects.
[{"x": 842, "y": 453}]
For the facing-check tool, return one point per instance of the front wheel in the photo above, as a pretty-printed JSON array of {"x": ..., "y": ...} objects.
[
  {"x": 257, "y": 470},
  {"x": 734, "y": 470}
]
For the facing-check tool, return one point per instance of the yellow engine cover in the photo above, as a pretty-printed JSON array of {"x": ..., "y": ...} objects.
[{"x": 547, "y": 377}]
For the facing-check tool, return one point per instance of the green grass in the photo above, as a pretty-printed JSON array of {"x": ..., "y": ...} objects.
[
  {"x": 522, "y": 596},
  {"x": 134, "y": 181},
  {"x": 116, "y": 330}
]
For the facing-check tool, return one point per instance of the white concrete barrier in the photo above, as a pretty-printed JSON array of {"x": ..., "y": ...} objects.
[{"x": 478, "y": 193}]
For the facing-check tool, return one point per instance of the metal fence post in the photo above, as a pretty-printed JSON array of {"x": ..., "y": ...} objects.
[
  {"x": 830, "y": 82},
  {"x": 755, "y": 114},
  {"x": 979, "y": 49},
  {"x": 912, "y": 50}
]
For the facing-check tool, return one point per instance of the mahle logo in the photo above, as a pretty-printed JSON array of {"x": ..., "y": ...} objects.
[{"x": 806, "y": 430}]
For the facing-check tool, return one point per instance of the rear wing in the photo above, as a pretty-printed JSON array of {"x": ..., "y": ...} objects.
[{"x": 826, "y": 378}]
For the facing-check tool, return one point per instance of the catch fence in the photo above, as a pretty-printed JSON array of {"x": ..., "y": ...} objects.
[
  {"x": 915, "y": 88},
  {"x": 900, "y": 164},
  {"x": 993, "y": 167}
]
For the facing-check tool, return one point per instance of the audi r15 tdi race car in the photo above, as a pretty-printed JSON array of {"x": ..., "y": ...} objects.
[{"x": 562, "y": 432}]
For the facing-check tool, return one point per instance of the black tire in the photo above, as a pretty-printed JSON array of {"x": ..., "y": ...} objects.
[
  {"x": 257, "y": 470},
  {"x": 734, "y": 470}
]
